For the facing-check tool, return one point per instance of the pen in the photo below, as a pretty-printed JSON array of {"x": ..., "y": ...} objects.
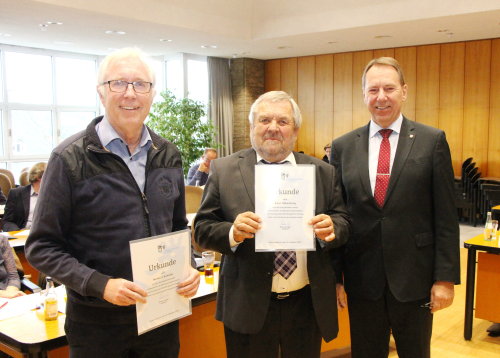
[{"x": 3, "y": 304}]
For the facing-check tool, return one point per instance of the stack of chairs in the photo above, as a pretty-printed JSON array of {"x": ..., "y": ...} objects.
[
  {"x": 467, "y": 196},
  {"x": 489, "y": 194}
]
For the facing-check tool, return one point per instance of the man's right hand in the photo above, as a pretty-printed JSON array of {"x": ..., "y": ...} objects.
[
  {"x": 245, "y": 226},
  {"x": 121, "y": 292},
  {"x": 341, "y": 297},
  {"x": 203, "y": 167}
]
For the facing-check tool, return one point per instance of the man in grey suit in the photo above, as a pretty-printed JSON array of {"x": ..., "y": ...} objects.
[
  {"x": 264, "y": 311},
  {"x": 402, "y": 259}
]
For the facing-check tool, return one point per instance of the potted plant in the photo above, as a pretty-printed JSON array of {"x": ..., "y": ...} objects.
[{"x": 181, "y": 122}]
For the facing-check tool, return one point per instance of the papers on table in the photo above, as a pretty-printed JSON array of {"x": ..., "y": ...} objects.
[
  {"x": 159, "y": 263},
  {"x": 18, "y": 306},
  {"x": 285, "y": 199}
]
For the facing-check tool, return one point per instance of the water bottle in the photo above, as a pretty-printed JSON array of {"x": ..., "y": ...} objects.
[
  {"x": 50, "y": 301},
  {"x": 488, "y": 227}
]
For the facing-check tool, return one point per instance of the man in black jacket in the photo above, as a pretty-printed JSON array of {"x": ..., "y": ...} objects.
[{"x": 115, "y": 182}]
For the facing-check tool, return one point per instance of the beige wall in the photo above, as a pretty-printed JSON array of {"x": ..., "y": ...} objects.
[{"x": 455, "y": 87}]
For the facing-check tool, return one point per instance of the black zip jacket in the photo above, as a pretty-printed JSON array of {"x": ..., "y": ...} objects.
[{"x": 90, "y": 207}]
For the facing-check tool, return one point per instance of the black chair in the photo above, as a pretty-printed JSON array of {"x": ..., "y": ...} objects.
[{"x": 483, "y": 203}]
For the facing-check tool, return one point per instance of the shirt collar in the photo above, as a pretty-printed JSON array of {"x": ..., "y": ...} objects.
[
  {"x": 395, "y": 126},
  {"x": 290, "y": 158},
  {"x": 107, "y": 133},
  {"x": 32, "y": 191}
]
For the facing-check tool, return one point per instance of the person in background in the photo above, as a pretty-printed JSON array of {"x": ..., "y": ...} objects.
[
  {"x": 267, "y": 308},
  {"x": 328, "y": 150},
  {"x": 10, "y": 282},
  {"x": 94, "y": 199},
  {"x": 402, "y": 260},
  {"x": 3, "y": 199},
  {"x": 198, "y": 173},
  {"x": 22, "y": 200}
]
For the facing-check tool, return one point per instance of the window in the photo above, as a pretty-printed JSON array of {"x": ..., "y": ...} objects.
[
  {"x": 48, "y": 96},
  {"x": 187, "y": 76}
]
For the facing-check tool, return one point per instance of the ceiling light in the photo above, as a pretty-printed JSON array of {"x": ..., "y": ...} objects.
[
  {"x": 43, "y": 27},
  {"x": 114, "y": 32},
  {"x": 443, "y": 30},
  {"x": 165, "y": 40},
  {"x": 283, "y": 47},
  {"x": 381, "y": 36},
  {"x": 54, "y": 23},
  {"x": 213, "y": 46},
  {"x": 5, "y": 35},
  {"x": 332, "y": 42}
]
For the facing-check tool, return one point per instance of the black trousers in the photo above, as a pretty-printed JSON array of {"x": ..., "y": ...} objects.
[
  {"x": 290, "y": 327},
  {"x": 121, "y": 341},
  {"x": 372, "y": 322}
]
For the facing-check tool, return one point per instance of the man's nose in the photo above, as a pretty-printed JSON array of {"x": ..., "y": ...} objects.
[
  {"x": 273, "y": 125},
  {"x": 130, "y": 91}
]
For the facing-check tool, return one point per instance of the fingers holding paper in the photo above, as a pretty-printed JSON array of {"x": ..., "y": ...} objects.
[
  {"x": 189, "y": 286},
  {"x": 122, "y": 292},
  {"x": 245, "y": 226},
  {"x": 323, "y": 227}
]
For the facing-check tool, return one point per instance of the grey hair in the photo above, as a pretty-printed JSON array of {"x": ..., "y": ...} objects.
[
  {"x": 276, "y": 96},
  {"x": 384, "y": 61},
  {"x": 36, "y": 172},
  {"x": 127, "y": 52}
]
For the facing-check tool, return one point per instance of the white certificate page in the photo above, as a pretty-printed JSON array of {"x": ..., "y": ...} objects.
[
  {"x": 285, "y": 199},
  {"x": 159, "y": 263}
]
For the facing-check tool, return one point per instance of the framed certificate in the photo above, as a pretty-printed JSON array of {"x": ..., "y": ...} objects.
[
  {"x": 285, "y": 199},
  {"x": 159, "y": 263}
]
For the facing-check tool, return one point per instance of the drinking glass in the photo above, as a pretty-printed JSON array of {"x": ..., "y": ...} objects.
[{"x": 208, "y": 262}]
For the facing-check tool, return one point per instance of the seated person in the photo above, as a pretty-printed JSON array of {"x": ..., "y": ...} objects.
[
  {"x": 22, "y": 201},
  {"x": 3, "y": 199},
  {"x": 198, "y": 173},
  {"x": 10, "y": 282},
  {"x": 328, "y": 150}
]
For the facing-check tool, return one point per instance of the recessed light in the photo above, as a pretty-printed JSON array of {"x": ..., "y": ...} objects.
[
  {"x": 114, "y": 32},
  {"x": 54, "y": 23},
  {"x": 381, "y": 36},
  {"x": 5, "y": 35},
  {"x": 43, "y": 27},
  {"x": 443, "y": 30},
  {"x": 283, "y": 47},
  {"x": 332, "y": 42},
  {"x": 165, "y": 40},
  {"x": 213, "y": 46}
]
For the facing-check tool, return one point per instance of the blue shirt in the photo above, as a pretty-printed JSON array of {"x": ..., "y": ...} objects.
[{"x": 136, "y": 162}]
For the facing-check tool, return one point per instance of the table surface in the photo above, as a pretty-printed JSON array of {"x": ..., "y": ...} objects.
[{"x": 479, "y": 243}]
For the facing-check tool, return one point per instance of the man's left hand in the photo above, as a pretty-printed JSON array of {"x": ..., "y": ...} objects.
[
  {"x": 442, "y": 294},
  {"x": 189, "y": 286},
  {"x": 323, "y": 227}
]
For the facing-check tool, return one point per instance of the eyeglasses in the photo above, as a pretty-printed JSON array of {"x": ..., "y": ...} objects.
[{"x": 121, "y": 86}]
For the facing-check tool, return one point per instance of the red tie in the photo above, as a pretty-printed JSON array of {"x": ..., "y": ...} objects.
[{"x": 384, "y": 164}]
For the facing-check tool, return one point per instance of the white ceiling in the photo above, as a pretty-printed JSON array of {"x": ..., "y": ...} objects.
[{"x": 261, "y": 29}]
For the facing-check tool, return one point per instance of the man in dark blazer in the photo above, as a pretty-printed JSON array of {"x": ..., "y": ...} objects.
[
  {"x": 21, "y": 201},
  {"x": 262, "y": 311},
  {"x": 402, "y": 259}
]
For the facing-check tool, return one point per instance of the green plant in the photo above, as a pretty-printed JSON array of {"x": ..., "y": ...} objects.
[{"x": 180, "y": 121}]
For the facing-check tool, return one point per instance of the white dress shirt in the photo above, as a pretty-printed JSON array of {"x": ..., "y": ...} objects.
[{"x": 33, "y": 200}]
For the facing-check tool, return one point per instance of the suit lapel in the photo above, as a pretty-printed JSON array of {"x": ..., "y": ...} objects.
[
  {"x": 405, "y": 143},
  {"x": 362, "y": 158},
  {"x": 247, "y": 162},
  {"x": 26, "y": 201}
]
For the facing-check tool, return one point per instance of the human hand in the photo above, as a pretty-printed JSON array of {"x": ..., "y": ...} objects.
[
  {"x": 11, "y": 292},
  {"x": 121, "y": 292},
  {"x": 323, "y": 227},
  {"x": 341, "y": 297},
  {"x": 189, "y": 286},
  {"x": 442, "y": 294},
  {"x": 245, "y": 226},
  {"x": 203, "y": 167}
]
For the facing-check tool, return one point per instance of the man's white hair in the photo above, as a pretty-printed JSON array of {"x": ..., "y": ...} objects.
[
  {"x": 127, "y": 52},
  {"x": 276, "y": 96}
]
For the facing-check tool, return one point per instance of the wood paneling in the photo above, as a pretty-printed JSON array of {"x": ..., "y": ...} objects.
[
  {"x": 453, "y": 86},
  {"x": 494, "y": 124},
  {"x": 272, "y": 73},
  {"x": 427, "y": 100},
  {"x": 407, "y": 58},
  {"x": 342, "y": 94},
  {"x": 305, "y": 78},
  {"x": 360, "y": 115},
  {"x": 323, "y": 103},
  {"x": 451, "y": 99},
  {"x": 477, "y": 102}
]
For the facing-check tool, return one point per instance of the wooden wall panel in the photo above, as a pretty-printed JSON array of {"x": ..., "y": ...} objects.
[
  {"x": 494, "y": 123},
  {"x": 452, "y": 86},
  {"x": 407, "y": 58},
  {"x": 305, "y": 79},
  {"x": 342, "y": 94},
  {"x": 323, "y": 103},
  {"x": 427, "y": 101},
  {"x": 272, "y": 73},
  {"x": 451, "y": 99},
  {"x": 360, "y": 114},
  {"x": 384, "y": 52},
  {"x": 476, "y": 102}
]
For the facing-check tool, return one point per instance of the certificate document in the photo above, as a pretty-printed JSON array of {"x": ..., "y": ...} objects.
[
  {"x": 159, "y": 263},
  {"x": 285, "y": 200}
]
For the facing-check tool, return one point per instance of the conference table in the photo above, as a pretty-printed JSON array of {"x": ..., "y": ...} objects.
[{"x": 488, "y": 276}]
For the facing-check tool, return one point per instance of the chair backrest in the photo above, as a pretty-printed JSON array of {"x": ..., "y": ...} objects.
[
  {"x": 9, "y": 175},
  {"x": 193, "y": 198},
  {"x": 466, "y": 162},
  {"x": 5, "y": 184}
]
